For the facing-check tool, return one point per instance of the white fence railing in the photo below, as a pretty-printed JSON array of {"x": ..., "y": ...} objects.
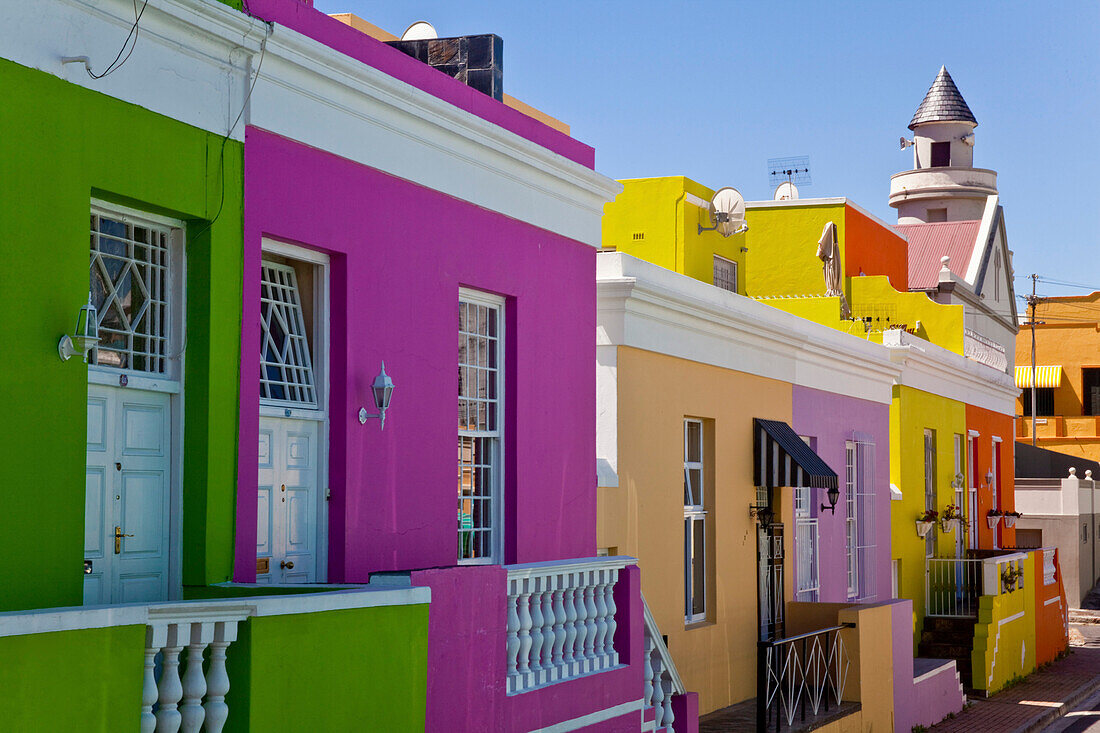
[
  {"x": 662, "y": 681},
  {"x": 952, "y": 587},
  {"x": 561, "y": 620}
]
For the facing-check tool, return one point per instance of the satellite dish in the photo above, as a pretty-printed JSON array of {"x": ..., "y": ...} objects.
[
  {"x": 786, "y": 192},
  {"x": 421, "y": 30},
  {"x": 905, "y": 143},
  {"x": 727, "y": 211},
  {"x": 968, "y": 139}
]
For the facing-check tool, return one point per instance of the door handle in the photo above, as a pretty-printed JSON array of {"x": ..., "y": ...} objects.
[
  {"x": 118, "y": 540},
  {"x": 286, "y": 564}
]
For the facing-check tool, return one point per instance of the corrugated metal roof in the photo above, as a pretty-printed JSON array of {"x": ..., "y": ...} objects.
[
  {"x": 928, "y": 243},
  {"x": 942, "y": 103}
]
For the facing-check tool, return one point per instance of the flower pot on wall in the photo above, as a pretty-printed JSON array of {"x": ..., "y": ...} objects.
[
  {"x": 923, "y": 528},
  {"x": 949, "y": 525},
  {"x": 1010, "y": 521},
  {"x": 992, "y": 522}
]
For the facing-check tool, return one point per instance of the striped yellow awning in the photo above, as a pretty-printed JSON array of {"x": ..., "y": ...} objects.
[{"x": 1045, "y": 376}]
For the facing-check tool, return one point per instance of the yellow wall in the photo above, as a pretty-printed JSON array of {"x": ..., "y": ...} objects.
[
  {"x": 1004, "y": 648},
  {"x": 643, "y": 516},
  {"x": 911, "y": 412},
  {"x": 782, "y": 246},
  {"x": 652, "y": 220}
]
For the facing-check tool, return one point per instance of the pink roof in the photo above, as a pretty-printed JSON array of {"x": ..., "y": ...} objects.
[{"x": 928, "y": 243}]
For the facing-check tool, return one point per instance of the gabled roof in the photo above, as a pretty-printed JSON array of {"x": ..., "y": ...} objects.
[
  {"x": 928, "y": 243},
  {"x": 942, "y": 103}
]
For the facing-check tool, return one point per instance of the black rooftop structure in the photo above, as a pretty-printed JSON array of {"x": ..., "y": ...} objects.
[
  {"x": 942, "y": 103},
  {"x": 783, "y": 459},
  {"x": 1034, "y": 462}
]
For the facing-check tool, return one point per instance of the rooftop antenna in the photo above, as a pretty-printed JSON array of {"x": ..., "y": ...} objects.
[{"x": 787, "y": 174}]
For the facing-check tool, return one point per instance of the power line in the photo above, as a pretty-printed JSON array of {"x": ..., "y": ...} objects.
[{"x": 117, "y": 64}]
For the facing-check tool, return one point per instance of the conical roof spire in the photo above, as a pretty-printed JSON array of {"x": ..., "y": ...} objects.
[{"x": 942, "y": 103}]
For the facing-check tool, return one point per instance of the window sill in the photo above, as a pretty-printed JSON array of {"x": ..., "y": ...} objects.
[{"x": 699, "y": 624}]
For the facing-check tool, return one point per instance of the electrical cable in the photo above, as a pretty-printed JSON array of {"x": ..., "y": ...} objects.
[{"x": 117, "y": 64}]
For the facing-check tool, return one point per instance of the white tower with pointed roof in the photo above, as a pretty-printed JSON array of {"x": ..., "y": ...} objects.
[{"x": 943, "y": 185}]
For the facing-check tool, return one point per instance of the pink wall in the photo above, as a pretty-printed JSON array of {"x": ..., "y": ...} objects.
[
  {"x": 831, "y": 420},
  {"x": 932, "y": 699},
  {"x": 302, "y": 17},
  {"x": 395, "y": 275},
  {"x": 467, "y": 666}
]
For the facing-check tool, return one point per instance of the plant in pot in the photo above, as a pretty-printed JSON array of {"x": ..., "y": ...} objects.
[
  {"x": 952, "y": 516},
  {"x": 926, "y": 521},
  {"x": 992, "y": 517},
  {"x": 1011, "y": 517},
  {"x": 1010, "y": 576}
]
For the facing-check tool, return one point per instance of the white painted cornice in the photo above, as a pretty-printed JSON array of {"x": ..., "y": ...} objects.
[
  {"x": 648, "y": 307},
  {"x": 195, "y": 60},
  {"x": 936, "y": 370}
]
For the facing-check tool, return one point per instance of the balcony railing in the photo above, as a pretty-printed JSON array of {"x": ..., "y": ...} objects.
[
  {"x": 984, "y": 350},
  {"x": 662, "y": 681},
  {"x": 800, "y": 674},
  {"x": 561, "y": 620},
  {"x": 953, "y": 586}
]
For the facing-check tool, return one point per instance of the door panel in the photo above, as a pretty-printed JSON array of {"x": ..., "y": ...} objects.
[
  {"x": 127, "y": 486},
  {"x": 286, "y": 518}
]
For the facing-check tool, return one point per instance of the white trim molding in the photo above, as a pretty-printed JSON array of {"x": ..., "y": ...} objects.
[
  {"x": 936, "y": 370},
  {"x": 592, "y": 718},
  {"x": 197, "y": 59}
]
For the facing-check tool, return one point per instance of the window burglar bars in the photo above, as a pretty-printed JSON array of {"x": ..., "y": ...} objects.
[
  {"x": 480, "y": 389},
  {"x": 286, "y": 366},
  {"x": 725, "y": 274},
  {"x": 130, "y": 284},
  {"x": 866, "y": 588},
  {"x": 806, "y": 671}
]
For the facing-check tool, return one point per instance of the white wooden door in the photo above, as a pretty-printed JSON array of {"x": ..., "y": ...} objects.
[
  {"x": 286, "y": 509},
  {"x": 127, "y": 493}
]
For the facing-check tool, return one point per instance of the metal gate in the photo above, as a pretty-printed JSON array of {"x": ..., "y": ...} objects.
[{"x": 769, "y": 561}]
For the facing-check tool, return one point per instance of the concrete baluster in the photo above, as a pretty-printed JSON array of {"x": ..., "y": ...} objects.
[
  {"x": 513, "y": 633},
  {"x": 217, "y": 679},
  {"x": 194, "y": 682},
  {"x": 169, "y": 687},
  {"x": 537, "y": 622}
]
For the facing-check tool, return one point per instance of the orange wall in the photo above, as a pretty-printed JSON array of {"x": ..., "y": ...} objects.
[
  {"x": 874, "y": 250},
  {"x": 1050, "y": 627},
  {"x": 990, "y": 424}
]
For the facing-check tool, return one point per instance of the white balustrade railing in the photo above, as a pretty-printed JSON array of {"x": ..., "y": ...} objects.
[
  {"x": 661, "y": 678},
  {"x": 1049, "y": 568},
  {"x": 186, "y": 703},
  {"x": 561, "y": 620}
]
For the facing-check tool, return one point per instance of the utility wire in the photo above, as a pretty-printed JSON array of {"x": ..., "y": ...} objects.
[{"x": 133, "y": 34}]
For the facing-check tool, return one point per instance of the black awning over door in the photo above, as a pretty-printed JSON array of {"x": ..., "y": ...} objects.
[{"x": 781, "y": 458}]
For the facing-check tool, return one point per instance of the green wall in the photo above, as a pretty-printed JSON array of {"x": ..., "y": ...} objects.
[
  {"x": 357, "y": 669},
  {"x": 87, "y": 680},
  {"x": 61, "y": 145}
]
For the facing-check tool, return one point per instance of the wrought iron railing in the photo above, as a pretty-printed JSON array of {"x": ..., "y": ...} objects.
[
  {"x": 800, "y": 674},
  {"x": 952, "y": 587}
]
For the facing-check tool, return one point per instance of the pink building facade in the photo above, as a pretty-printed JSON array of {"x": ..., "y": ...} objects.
[{"x": 454, "y": 239}]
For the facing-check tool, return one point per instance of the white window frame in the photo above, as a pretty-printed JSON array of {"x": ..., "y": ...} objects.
[
  {"x": 322, "y": 336},
  {"x": 930, "y": 498},
  {"x": 172, "y": 382},
  {"x": 497, "y": 497},
  {"x": 851, "y": 518},
  {"x": 736, "y": 274},
  {"x": 694, "y": 514}
]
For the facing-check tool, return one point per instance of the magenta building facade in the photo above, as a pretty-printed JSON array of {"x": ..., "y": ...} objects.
[{"x": 454, "y": 239}]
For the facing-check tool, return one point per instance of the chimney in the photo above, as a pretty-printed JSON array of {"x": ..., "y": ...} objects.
[{"x": 476, "y": 61}]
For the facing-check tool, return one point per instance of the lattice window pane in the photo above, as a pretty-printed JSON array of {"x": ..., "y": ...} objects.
[
  {"x": 479, "y": 412},
  {"x": 286, "y": 367},
  {"x": 129, "y": 286},
  {"x": 725, "y": 274}
]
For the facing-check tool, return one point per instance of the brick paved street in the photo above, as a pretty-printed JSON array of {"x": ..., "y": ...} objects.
[{"x": 1041, "y": 698}]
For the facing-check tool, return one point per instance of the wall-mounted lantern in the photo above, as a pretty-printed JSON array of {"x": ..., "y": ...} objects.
[
  {"x": 989, "y": 478},
  {"x": 834, "y": 496},
  {"x": 84, "y": 337},
  {"x": 382, "y": 390}
]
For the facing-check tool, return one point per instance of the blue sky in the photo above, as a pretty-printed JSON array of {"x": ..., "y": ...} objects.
[{"x": 711, "y": 90}]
